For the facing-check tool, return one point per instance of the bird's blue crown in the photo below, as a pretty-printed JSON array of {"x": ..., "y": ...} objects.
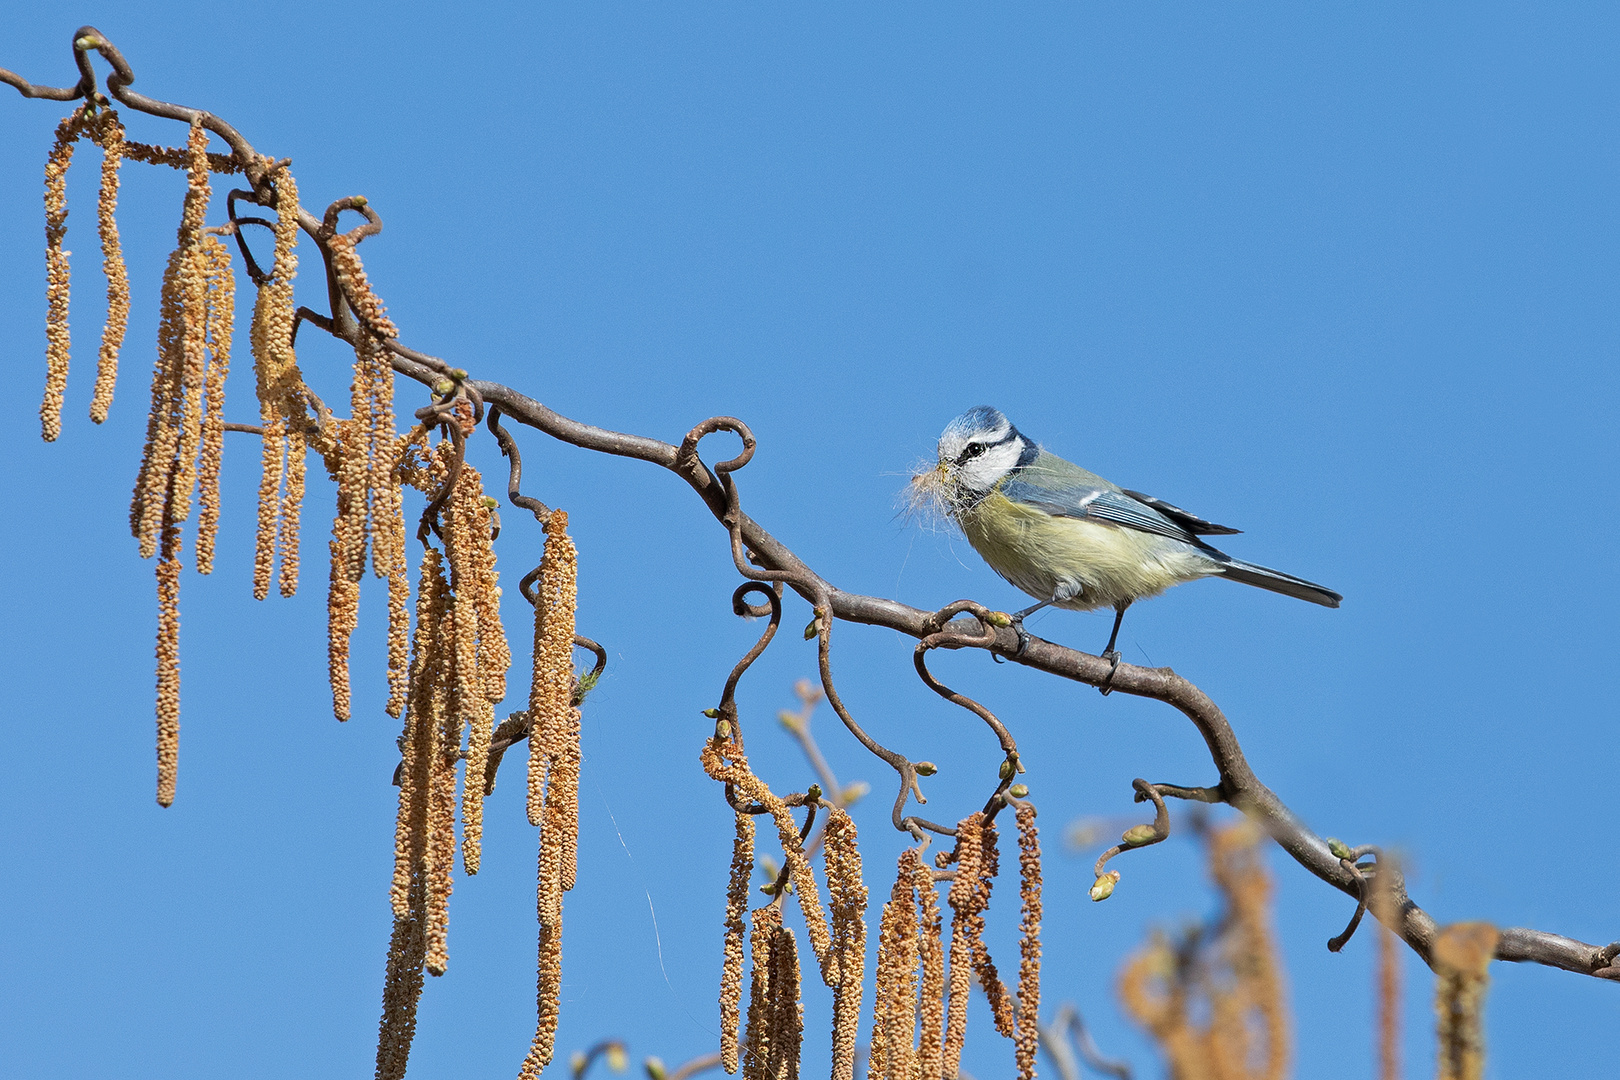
[{"x": 979, "y": 420}]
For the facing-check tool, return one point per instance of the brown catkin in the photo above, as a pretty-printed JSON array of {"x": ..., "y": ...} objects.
[
  {"x": 220, "y": 322},
  {"x": 342, "y": 616},
  {"x": 964, "y": 899},
  {"x": 380, "y": 438},
  {"x": 846, "y": 897},
  {"x": 57, "y": 276},
  {"x": 495, "y": 650},
  {"x": 1152, "y": 989},
  {"x": 193, "y": 341},
  {"x": 894, "y": 1004},
  {"x": 554, "y": 726},
  {"x": 786, "y": 1010},
  {"x": 757, "y": 1039},
  {"x": 362, "y": 464},
  {"x": 279, "y": 386},
  {"x": 351, "y": 275},
  {"x": 168, "y": 664},
  {"x": 402, "y": 989},
  {"x": 567, "y": 785},
  {"x": 931, "y": 950},
  {"x": 410, "y": 827},
  {"x": 441, "y": 839},
  {"x": 1462, "y": 958},
  {"x": 292, "y": 502},
  {"x": 1002, "y": 1008},
  {"x": 551, "y": 691},
  {"x": 422, "y": 755},
  {"x": 775, "y": 1015},
  {"x": 111, "y": 138},
  {"x": 1227, "y": 971},
  {"x": 193, "y": 367},
  {"x": 1251, "y": 951},
  {"x": 351, "y": 471},
  {"x": 399, "y": 586},
  {"x": 1386, "y": 910},
  {"x": 150, "y": 502},
  {"x": 346, "y": 464},
  {"x": 176, "y": 157},
  {"x": 272, "y": 460},
  {"x": 477, "y": 642},
  {"x": 548, "y": 907},
  {"x": 750, "y": 787},
  {"x": 174, "y": 426},
  {"x": 1029, "y": 945},
  {"x": 731, "y": 971}
]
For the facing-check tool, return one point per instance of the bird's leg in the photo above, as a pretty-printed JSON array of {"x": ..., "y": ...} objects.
[
  {"x": 1110, "y": 653},
  {"x": 1062, "y": 594},
  {"x": 1018, "y": 624}
]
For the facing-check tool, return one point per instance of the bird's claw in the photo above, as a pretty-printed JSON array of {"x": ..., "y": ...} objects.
[
  {"x": 1023, "y": 637},
  {"x": 1113, "y": 657}
]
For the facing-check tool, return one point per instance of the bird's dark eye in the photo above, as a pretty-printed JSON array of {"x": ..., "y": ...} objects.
[{"x": 973, "y": 450}]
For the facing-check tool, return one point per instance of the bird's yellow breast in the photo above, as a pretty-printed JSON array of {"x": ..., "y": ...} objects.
[{"x": 1043, "y": 554}]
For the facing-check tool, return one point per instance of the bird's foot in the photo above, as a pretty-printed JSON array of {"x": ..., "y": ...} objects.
[
  {"x": 1113, "y": 658},
  {"x": 1023, "y": 640},
  {"x": 1023, "y": 636}
]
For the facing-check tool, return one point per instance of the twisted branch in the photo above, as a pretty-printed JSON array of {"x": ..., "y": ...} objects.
[{"x": 761, "y": 557}]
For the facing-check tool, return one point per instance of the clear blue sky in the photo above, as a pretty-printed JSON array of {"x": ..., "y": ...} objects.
[{"x": 1345, "y": 279}]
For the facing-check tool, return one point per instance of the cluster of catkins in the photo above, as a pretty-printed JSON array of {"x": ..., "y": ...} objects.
[
  {"x": 910, "y": 942},
  {"x": 1214, "y": 1003},
  {"x": 446, "y": 679}
]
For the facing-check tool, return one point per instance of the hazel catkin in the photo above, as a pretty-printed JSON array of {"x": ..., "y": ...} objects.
[
  {"x": 57, "y": 274},
  {"x": 742, "y": 869},
  {"x": 110, "y": 136}
]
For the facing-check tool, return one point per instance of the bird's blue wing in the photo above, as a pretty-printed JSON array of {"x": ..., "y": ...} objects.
[
  {"x": 1187, "y": 520},
  {"x": 1097, "y": 503}
]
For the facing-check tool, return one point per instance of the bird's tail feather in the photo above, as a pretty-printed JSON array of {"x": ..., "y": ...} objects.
[{"x": 1279, "y": 582}]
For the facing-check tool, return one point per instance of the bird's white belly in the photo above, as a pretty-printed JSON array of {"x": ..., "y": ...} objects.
[{"x": 1044, "y": 555}]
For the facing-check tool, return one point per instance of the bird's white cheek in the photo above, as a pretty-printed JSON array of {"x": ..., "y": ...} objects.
[{"x": 982, "y": 473}]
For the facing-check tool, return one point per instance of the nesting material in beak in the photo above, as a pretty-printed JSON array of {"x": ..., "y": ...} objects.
[{"x": 929, "y": 496}]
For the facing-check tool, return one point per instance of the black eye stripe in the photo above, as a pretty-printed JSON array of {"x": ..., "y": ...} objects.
[{"x": 973, "y": 450}]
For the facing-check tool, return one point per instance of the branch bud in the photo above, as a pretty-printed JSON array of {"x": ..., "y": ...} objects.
[
  {"x": 655, "y": 1068},
  {"x": 789, "y": 721},
  {"x": 712, "y": 714},
  {"x": 1340, "y": 849},
  {"x": 89, "y": 41},
  {"x": 360, "y": 200},
  {"x": 853, "y": 793},
  {"x": 1137, "y": 835},
  {"x": 1103, "y": 888},
  {"x": 1008, "y": 770},
  {"x": 926, "y": 768},
  {"x": 617, "y": 1059},
  {"x": 1019, "y": 791},
  {"x": 810, "y": 630},
  {"x": 812, "y": 796},
  {"x": 998, "y": 618},
  {"x": 722, "y": 730}
]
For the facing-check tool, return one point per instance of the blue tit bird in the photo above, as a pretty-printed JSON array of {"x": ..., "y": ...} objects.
[{"x": 1071, "y": 539}]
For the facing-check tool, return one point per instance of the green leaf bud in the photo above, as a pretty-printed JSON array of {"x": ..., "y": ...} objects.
[{"x": 1103, "y": 888}]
